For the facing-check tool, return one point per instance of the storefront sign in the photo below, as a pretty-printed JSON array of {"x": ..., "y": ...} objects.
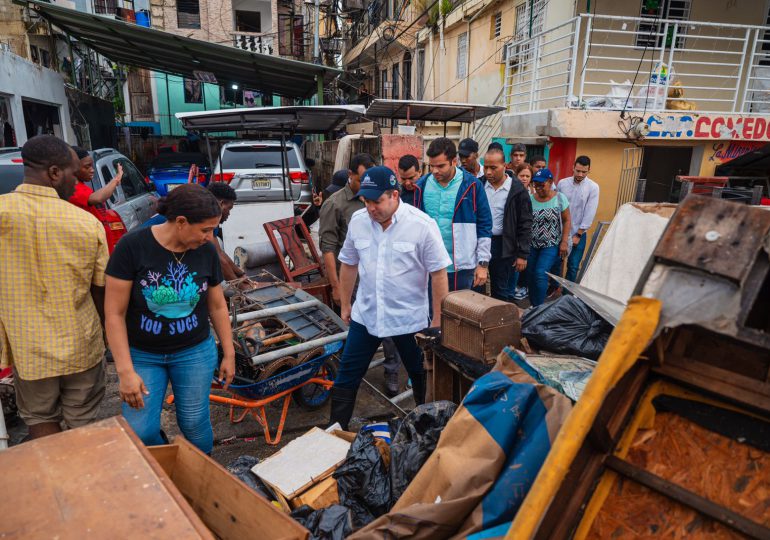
[
  {"x": 706, "y": 126},
  {"x": 723, "y": 152}
]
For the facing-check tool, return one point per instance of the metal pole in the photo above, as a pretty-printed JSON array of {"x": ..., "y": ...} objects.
[
  {"x": 168, "y": 106},
  {"x": 284, "y": 169},
  {"x": 72, "y": 62},
  {"x": 751, "y": 65},
  {"x": 320, "y": 91},
  {"x": 296, "y": 349},
  {"x": 584, "y": 69},
  {"x": 573, "y": 63},
  {"x": 317, "y": 36},
  {"x": 270, "y": 312},
  {"x": 208, "y": 151}
]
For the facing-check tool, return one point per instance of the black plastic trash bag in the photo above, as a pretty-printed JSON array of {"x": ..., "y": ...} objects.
[
  {"x": 566, "y": 326},
  {"x": 331, "y": 523},
  {"x": 241, "y": 469},
  {"x": 363, "y": 482},
  {"x": 415, "y": 441}
]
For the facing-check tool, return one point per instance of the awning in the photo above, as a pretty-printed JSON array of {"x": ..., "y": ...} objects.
[
  {"x": 298, "y": 119},
  {"x": 432, "y": 111},
  {"x": 148, "y": 48}
]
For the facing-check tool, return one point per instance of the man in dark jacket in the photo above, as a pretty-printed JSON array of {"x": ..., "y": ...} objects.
[{"x": 511, "y": 224}]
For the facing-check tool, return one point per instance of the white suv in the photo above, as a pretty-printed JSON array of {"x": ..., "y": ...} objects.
[{"x": 253, "y": 169}]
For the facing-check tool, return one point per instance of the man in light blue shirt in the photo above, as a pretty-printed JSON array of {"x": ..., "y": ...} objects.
[{"x": 583, "y": 196}]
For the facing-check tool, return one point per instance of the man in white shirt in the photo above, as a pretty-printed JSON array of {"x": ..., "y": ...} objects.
[
  {"x": 583, "y": 196},
  {"x": 394, "y": 248}
]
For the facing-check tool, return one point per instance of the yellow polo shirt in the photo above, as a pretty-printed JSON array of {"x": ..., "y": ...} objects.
[{"x": 51, "y": 252}]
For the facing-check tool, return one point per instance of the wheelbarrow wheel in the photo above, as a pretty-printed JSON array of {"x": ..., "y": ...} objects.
[{"x": 314, "y": 396}]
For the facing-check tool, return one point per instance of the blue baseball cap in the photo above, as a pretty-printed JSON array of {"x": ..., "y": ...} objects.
[
  {"x": 543, "y": 175},
  {"x": 376, "y": 181}
]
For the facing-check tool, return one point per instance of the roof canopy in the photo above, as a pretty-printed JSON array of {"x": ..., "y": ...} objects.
[
  {"x": 402, "y": 109},
  {"x": 298, "y": 119},
  {"x": 138, "y": 46}
]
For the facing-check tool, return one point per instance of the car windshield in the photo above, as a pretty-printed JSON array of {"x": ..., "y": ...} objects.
[{"x": 256, "y": 157}]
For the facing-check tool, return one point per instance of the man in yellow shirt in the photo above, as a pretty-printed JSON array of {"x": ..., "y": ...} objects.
[{"x": 52, "y": 260}]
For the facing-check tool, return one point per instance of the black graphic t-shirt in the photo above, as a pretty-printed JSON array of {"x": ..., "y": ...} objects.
[{"x": 167, "y": 311}]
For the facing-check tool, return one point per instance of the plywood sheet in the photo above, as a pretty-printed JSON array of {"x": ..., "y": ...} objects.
[
  {"x": 302, "y": 462},
  {"x": 98, "y": 481}
]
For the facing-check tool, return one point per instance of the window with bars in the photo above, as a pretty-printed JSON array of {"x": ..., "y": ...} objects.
[
  {"x": 496, "y": 25},
  {"x": 188, "y": 14},
  {"x": 420, "y": 74},
  {"x": 462, "y": 55},
  {"x": 528, "y": 24},
  {"x": 407, "y": 75},
  {"x": 650, "y": 31},
  {"x": 396, "y": 81},
  {"x": 384, "y": 84}
]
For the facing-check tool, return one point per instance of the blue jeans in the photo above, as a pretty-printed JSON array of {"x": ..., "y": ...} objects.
[
  {"x": 540, "y": 261},
  {"x": 460, "y": 280},
  {"x": 190, "y": 372},
  {"x": 360, "y": 347},
  {"x": 575, "y": 256},
  {"x": 500, "y": 271}
]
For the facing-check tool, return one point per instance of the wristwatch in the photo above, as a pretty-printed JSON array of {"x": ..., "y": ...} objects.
[{"x": 484, "y": 264}]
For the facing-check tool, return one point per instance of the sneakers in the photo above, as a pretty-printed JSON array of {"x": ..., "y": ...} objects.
[
  {"x": 391, "y": 383},
  {"x": 520, "y": 293}
]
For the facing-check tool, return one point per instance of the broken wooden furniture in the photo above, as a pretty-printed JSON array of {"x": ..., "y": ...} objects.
[
  {"x": 450, "y": 374},
  {"x": 671, "y": 436},
  {"x": 304, "y": 267},
  {"x": 101, "y": 481}
]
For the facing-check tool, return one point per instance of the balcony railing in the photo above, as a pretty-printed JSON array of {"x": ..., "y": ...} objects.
[
  {"x": 639, "y": 64},
  {"x": 253, "y": 42}
]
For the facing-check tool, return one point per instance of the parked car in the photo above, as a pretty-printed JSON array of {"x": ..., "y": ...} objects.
[
  {"x": 11, "y": 169},
  {"x": 131, "y": 205},
  {"x": 134, "y": 201},
  {"x": 172, "y": 169},
  {"x": 253, "y": 169}
]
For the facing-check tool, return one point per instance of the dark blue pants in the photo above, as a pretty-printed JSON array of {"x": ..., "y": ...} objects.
[
  {"x": 540, "y": 261},
  {"x": 460, "y": 280},
  {"x": 575, "y": 256},
  {"x": 360, "y": 347},
  {"x": 500, "y": 272}
]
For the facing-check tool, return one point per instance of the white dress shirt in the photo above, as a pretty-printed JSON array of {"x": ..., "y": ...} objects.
[
  {"x": 583, "y": 200},
  {"x": 393, "y": 268},
  {"x": 497, "y": 198}
]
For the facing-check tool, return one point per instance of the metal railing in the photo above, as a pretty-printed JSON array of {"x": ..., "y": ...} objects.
[
  {"x": 591, "y": 62},
  {"x": 250, "y": 41}
]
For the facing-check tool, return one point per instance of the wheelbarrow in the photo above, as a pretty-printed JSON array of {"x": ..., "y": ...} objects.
[{"x": 309, "y": 384}]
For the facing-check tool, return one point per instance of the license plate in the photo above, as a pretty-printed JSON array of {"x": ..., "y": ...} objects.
[
  {"x": 172, "y": 187},
  {"x": 261, "y": 183}
]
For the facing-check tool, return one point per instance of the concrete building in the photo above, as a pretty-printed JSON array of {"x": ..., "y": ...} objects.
[
  {"x": 648, "y": 90},
  {"x": 32, "y": 101}
]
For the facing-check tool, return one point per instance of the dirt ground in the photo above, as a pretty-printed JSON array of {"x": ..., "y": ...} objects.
[{"x": 246, "y": 438}]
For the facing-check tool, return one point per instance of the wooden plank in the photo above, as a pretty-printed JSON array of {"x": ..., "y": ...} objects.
[
  {"x": 94, "y": 478},
  {"x": 721, "y": 382},
  {"x": 227, "y": 505},
  {"x": 700, "y": 504},
  {"x": 443, "y": 376},
  {"x": 321, "y": 495},
  {"x": 165, "y": 455},
  {"x": 716, "y": 235}
]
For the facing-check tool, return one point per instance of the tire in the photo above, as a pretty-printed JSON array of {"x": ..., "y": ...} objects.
[{"x": 312, "y": 397}]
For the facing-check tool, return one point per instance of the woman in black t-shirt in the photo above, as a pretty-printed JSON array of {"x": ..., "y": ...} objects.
[{"x": 163, "y": 286}]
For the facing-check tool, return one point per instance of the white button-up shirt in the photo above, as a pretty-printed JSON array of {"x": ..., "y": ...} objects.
[
  {"x": 497, "y": 198},
  {"x": 393, "y": 267},
  {"x": 583, "y": 200}
]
